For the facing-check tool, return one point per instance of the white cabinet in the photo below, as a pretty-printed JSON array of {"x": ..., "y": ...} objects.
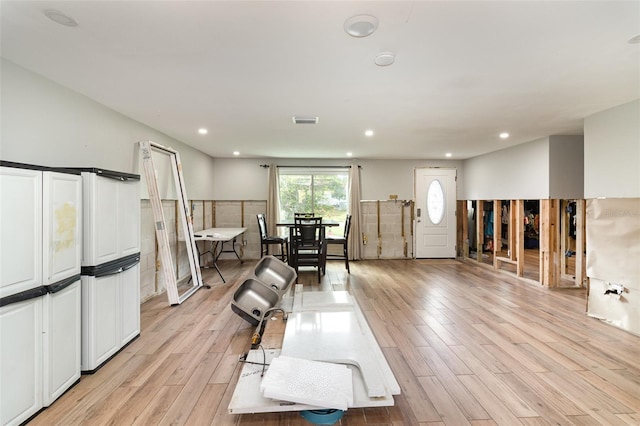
[
  {"x": 99, "y": 320},
  {"x": 61, "y": 226},
  {"x": 41, "y": 226},
  {"x": 21, "y": 361},
  {"x": 130, "y": 304},
  {"x": 40, "y": 265},
  {"x": 110, "y": 310},
  {"x": 112, "y": 219},
  {"x": 21, "y": 230},
  {"x": 110, "y": 264},
  {"x": 61, "y": 331},
  {"x": 39, "y": 350}
]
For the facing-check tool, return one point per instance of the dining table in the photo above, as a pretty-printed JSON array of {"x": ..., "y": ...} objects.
[{"x": 291, "y": 226}]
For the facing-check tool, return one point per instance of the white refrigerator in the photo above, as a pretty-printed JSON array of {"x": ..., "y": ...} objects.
[
  {"x": 110, "y": 264},
  {"x": 40, "y": 265}
]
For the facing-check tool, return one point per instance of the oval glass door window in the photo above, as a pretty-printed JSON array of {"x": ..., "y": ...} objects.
[{"x": 435, "y": 202}]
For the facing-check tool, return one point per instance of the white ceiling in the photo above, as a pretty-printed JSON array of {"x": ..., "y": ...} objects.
[{"x": 464, "y": 71}]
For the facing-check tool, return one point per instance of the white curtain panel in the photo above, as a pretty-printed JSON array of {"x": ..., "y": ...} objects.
[{"x": 355, "y": 194}]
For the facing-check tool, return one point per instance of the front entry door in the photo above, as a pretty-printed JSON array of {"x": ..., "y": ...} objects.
[{"x": 435, "y": 221}]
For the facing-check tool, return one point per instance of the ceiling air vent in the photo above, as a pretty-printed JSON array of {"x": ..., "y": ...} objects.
[{"x": 305, "y": 120}]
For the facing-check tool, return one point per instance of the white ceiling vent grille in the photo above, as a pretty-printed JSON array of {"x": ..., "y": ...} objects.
[{"x": 305, "y": 120}]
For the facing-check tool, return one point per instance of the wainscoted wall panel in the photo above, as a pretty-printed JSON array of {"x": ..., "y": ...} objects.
[
  {"x": 252, "y": 235},
  {"x": 395, "y": 232},
  {"x": 382, "y": 228}
]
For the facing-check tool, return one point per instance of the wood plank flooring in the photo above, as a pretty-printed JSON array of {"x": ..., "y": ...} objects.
[{"x": 468, "y": 345}]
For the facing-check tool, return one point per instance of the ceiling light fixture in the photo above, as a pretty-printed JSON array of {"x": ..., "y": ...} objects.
[
  {"x": 305, "y": 120},
  {"x": 448, "y": 154},
  {"x": 203, "y": 131},
  {"x": 361, "y": 25},
  {"x": 349, "y": 154},
  {"x": 60, "y": 18},
  {"x": 634, "y": 39},
  {"x": 368, "y": 133},
  {"x": 384, "y": 59},
  {"x": 236, "y": 153},
  {"x": 504, "y": 135}
]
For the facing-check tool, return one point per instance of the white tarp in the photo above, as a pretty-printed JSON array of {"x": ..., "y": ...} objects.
[
  {"x": 613, "y": 240},
  {"x": 613, "y": 257}
]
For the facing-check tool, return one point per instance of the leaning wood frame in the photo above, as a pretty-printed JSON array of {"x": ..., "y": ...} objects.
[{"x": 164, "y": 249}]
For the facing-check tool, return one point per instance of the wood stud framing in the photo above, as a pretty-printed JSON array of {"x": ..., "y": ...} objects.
[
  {"x": 549, "y": 243},
  {"x": 552, "y": 249},
  {"x": 379, "y": 232},
  {"x": 511, "y": 237},
  {"x": 242, "y": 226},
  {"x": 497, "y": 230},
  {"x": 581, "y": 232},
  {"x": 465, "y": 229},
  {"x": 513, "y": 230},
  {"x": 412, "y": 217},
  {"x": 479, "y": 229},
  {"x": 402, "y": 225},
  {"x": 519, "y": 230}
]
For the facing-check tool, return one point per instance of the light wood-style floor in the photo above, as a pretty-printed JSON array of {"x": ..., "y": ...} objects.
[{"x": 467, "y": 344}]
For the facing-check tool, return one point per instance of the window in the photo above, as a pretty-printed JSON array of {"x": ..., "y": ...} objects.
[
  {"x": 323, "y": 192},
  {"x": 435, "y": 202}
]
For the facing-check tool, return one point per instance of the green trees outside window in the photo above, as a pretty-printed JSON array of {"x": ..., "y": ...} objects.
[{"x": 321, "y": 192}]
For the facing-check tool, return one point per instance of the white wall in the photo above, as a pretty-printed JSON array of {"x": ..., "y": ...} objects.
[
  {"x": 244, "y": 179},
  {"x": 566, "y": 167},
  {"x": 612, "y": 152},
  {"x": 46, "y": 124},
  {"x": 240, "y": 178},
  {"x": 381, "y": 178},
  {"x": 519, "y": 172}
]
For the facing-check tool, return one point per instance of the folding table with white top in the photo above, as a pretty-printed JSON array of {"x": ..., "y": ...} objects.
[{"x": 217, "y": 237}]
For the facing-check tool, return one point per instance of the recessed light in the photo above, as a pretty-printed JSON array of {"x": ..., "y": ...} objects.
[
  {"x": 448, "y": 154},
  {"x": 349, "y": 154},
  {"x": 504, "y": 135},
  {"x": 368, "y": 133},
  {"x": 236, "y": 153},
  {"x": 203, "y": 131},
  {"x": 384, "y": 59},
  {"x": 634, "y": 39},
  {"x": 60, "y": 18},
  {"x": 361, "y": 25}
]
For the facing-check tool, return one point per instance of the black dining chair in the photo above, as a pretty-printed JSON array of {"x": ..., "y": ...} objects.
[
  {"x": 300, "y": 215},
  {"x": 307, "y": 244},
  {"x": 266, "y": 240},
  {"x": 341, "y": 241}
]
